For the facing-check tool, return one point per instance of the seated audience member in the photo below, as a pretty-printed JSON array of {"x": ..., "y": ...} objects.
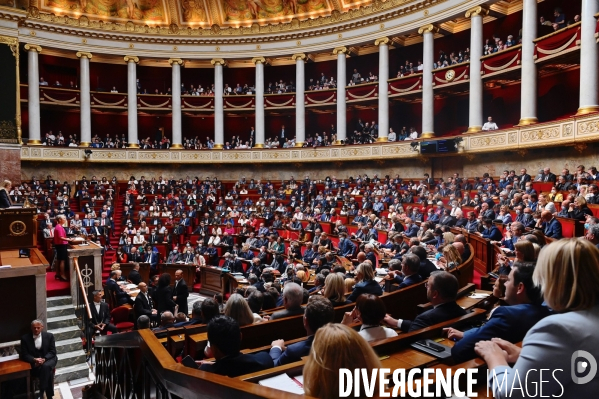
[
  {"x": 567, "y": 273},
  {"x": 490, "y": 231},
  {"x": 293, "y": 296},
  {"x": 336, "y": 346},
  {"x": 450, "y": 258},
  {"x": 441, "y": 291},
  {"x": 426, "y": 266},
  {"x": 510, "y": 323},
  {"x": 405, "y": 272},
  {"x": 550, "y": 225},
  {"x": 319, "y": 312},
  {"x": 224, "y": 337},
  {"x": 144, "y": 305},
  {"x": 196, "y": 315},
  {"x": 122, "y": 297},
  {"x": 100, "y": 320},
  {"x": 334, "y": 289},
  {"x": 143, "y": 323},
  {"x": 366, "y": 284},
  {"x": 593, "y": 235},
  {"x": 238, "y": 309},
  {"x": 167, "y": 320},
  {"x": 319, "y": 281},
  {"x": 370, "y": 311},
  {"x": 38, "y": 348}
]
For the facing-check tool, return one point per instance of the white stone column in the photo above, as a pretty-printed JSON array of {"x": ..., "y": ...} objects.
[
  {"x": 33, "y": 100},
  {"x": 428, "y": 97},
  {"x": 85, "y": 111},
  {"x": 475, "y": 118},
  {"x": 219, "y": 116},
  {"x": 132, "y": 100},
  {"x": 589, "y": 76},
  {"x": 176, "y": 102},
  {"x": 528, "y": 81},
  {"x": 341, "y": 83},
  {"x": 259, "y": 139},
  {"x": 383, "y": 44},
  {"x": 300, "y": 100}
]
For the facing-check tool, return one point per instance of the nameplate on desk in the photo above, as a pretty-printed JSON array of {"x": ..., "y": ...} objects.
[{"x": 5, "y": 267}]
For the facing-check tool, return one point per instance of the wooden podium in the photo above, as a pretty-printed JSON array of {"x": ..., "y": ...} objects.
[{"x": 18, "y": 228}]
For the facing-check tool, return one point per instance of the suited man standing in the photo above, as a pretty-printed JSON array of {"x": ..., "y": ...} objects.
[
  {"x": 144, "y": 305},
  {"x": 134, "y": 276},
  {"x": 151, "y": 257},
  {"x": 282, "y": 135},
  {"x": 319, "y": 311},
  {"x": 524, "y": 178},
  {"x": 100, "y": 320},
  {"x": 180, "y": 292},
  {"x": 548, "y": 177},
  {"x": 39, "y": 350},
  {"x": 441, "y": 292},
  {"x": 232, "y": 264}
]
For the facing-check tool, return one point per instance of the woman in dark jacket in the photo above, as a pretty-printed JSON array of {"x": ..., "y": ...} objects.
[
  {"x": 366, "y": 283},
  {"x": 163, "y": 296}
]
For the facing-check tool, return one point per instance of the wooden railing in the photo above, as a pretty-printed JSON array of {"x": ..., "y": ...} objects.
[{"x": 82, "y": 310}]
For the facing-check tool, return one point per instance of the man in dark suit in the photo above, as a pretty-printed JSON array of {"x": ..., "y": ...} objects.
[
  {"x": 100, "y": 320},
  {"x": 234, "y": 265},
  {"x": 507, "y": 322},
  {"x": 426, "y": 266},
  {"x": 293, "y": 296},
  {"x": 225, "y": 342},
  {"x": 490, "y": 232},
  {"x": 548, "y": 177},
  {"x": 180, "y": 292},
  {"x": 151, "y": 257},
  {"x": 404, "y": 272},
  {"x": 411, "y": 228},
  {"x": 319, "y": 311},
  {"x": 39, "y": 350},
  {"x": 441, "y": 291},
  {"x": 134, "y": 276},
  {"x": 550, "y": 225},
  {"x": 144, "y": 305},
  {"x": 111, "y": 286}
]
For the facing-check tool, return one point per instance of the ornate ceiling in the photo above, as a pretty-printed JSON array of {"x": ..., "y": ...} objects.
[{"x": 199, "y": 13}]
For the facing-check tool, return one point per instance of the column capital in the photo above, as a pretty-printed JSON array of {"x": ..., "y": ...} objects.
[
  {"x": 131, "y": 58},
  {"x": 33, "y": 47},
  {"x": 84, "y": 54},
  {"x": 341, "y": 49},
  {"x": 258, "y": 60},
  {"x": 476, "y": 11},
  {"x": 218, "y": 61},
  {"x": 299, "y": 56},
  {"x": 172, "y": 61},
  {"x": 430, "y": 28},
  {"x": 381, "y": 41}
]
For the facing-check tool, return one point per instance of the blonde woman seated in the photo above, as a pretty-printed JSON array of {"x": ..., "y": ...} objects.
[
  {"x": 238, "y": 309},
  {"x": 334, "y": 289},
  {"x": 302, "y": 275},
  {"x": 370, "y": 311},
  {"x": 337, "y": 346},
  {"x": 568, "y": 273},
  {"x": 450, "y": 259},
  {"x": 143, "y": 229}
]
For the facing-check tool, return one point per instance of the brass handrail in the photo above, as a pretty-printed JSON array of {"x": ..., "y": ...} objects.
[{"x": 76, "y": 262}]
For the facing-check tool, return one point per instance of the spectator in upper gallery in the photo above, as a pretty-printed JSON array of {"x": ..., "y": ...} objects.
[
  {"x": 490, "y": 125},
  {"x": 559, "y": 21},
  {"x": 114, "y": 90},
  {"x": 72, "y": 85},
  {"x": 547, "y": 176},
  {"x": 392, "y": 136},
  {"x": 43, "y": 82},
  {"x": 356, "y": 78},
  {"x": 413, "y": 134}
]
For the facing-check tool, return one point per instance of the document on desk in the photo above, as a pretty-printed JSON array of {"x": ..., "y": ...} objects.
[{"x": 284, "y": 383}]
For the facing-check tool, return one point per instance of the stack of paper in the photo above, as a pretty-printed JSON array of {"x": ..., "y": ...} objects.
[{"x": 284, "y": 383}]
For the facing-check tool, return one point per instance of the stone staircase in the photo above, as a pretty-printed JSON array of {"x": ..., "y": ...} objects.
[{"x": 62, "y": 322}]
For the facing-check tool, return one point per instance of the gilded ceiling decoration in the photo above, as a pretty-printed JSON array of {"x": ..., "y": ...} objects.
[{"x": 199, "y": 13}]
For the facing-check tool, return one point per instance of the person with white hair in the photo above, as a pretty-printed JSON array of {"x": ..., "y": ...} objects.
[{"x": 293, "y": 296}]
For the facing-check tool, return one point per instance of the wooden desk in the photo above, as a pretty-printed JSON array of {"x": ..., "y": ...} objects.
[
  {"x": 212, "y": 282},
  {"x": 13, "y": 369},
  {"x": 18, "y": 227}
]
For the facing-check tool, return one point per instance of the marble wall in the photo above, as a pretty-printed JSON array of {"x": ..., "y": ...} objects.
[
  {"x": 10, "y": 163},
  {"x": 466, "y": 165}
]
